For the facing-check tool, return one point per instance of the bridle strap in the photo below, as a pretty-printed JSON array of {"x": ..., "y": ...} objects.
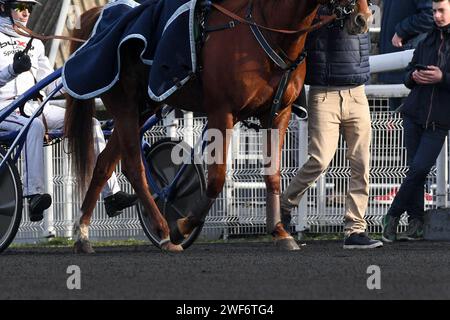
[
  {"x": 324, "y": 20},
  {"x": 20, "y": 29}
]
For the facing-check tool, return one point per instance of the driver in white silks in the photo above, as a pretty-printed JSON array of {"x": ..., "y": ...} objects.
[{"x": 19, "y": 71}]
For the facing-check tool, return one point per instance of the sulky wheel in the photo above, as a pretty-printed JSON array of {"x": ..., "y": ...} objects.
[
  {"x": 190, "y": 186},
  {"x": 11, "y": 202}
]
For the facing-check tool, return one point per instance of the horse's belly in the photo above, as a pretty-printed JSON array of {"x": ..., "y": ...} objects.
[{"x": 189, "y": 98}]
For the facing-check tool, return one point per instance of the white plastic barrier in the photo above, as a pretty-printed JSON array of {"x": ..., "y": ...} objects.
[{"x": 390, "y": 61}]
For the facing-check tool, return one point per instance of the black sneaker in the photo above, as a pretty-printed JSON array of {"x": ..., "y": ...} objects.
[
  {"x": 390, "y": 224},
  {"x": 117, "y": 202},
  {"x": 413, "y": 232},
  {"x": 361, "y": 241},
  {"x": 37, "y": 204}
]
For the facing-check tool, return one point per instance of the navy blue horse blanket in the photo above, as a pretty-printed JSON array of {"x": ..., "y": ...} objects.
[{"x": 166, "y": 30}]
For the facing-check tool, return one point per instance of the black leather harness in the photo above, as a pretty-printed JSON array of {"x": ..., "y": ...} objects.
[{"x": 279, "y": 57}]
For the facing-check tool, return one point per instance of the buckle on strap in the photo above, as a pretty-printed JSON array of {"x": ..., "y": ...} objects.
[{"x": 298, "y": 61}]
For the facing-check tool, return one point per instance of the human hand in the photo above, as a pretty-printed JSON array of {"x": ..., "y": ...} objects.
[
  {"x": 431, "y": 76},
  {"x": 21, "y": 63},
  {"x": 397, "y": 41}
]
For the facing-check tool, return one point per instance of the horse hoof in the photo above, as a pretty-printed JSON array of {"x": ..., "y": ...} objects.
[
  {"x": 168, "y": 246},
  {"x": 83, "y": 246},
  {"x": 175, "y": 234},
  {"x": 287, "y": 244}
]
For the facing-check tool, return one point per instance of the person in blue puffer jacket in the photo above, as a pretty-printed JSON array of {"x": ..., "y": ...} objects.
[{"x": 337, "y": 70}]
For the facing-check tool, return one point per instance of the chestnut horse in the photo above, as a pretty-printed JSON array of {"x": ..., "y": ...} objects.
[{"x": 238, "y": 80}]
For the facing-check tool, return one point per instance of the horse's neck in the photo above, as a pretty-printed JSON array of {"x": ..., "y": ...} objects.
[
  {"x": 290, "y": 15},
  {"x": 285, "y": 13}
]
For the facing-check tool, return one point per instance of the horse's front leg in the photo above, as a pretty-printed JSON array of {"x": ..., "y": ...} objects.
[
  {"x": 219, "y": 133},
  {"x": 272, "y": 148},
  {"x": 104, "y": 167}
]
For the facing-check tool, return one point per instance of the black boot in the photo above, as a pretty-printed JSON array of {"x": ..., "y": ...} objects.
[
  {"x": 117, "y": 202},
  {"x": 414, "y": 231},
  {"x": 37, "y": 204}
]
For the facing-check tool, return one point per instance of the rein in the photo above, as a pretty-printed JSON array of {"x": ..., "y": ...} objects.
[
  {"x": 323, "y": 21},
  {"x": 20, "y": 29}
]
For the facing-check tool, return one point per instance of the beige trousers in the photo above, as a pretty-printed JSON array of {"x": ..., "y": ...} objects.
[{"x": 333, "y": 111}]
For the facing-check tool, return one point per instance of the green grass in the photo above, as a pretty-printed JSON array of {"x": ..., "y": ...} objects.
[{"x": 66, "y": 242}]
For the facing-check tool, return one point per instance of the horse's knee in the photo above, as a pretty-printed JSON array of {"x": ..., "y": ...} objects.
[
  {"x": 102, "y": 171},
  {"x": 132, "y": 173},
  {"x": 100, "y": 174}
]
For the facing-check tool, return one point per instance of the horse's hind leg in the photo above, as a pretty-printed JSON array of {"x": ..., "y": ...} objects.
[
  {"x": 219, "y": 133},
  {"x": 123, "y": 106},
  {"x": 272, "y": 153},
  {"x": 104, "y": 167}
]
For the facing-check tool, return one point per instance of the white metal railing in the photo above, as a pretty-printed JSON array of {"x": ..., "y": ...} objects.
[{"x": 240, "y": 209}]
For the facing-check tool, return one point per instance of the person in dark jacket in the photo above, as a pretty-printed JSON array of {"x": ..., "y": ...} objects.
[
  {"x": 337, "y": 69},
  {"x": 404, "y": 24},
  {"x": 426, "y": 121}
]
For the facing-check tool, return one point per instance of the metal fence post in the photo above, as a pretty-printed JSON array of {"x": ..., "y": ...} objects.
[
  {"x": 49, "y": 229},
  {"x": 231, "y": 211},
  {"x": 68, "y": 194},
  {"x": 189, "y": 128},
  {"x": 171, "y": 125},
  {"x": 321, "y": 196},
  {"x": 301, "y": 222}
]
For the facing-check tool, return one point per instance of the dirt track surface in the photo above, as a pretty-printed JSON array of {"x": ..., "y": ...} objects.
[{"x": 321, "y": 270}]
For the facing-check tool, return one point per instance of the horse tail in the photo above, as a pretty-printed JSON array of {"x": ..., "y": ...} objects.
[
  {"x": 79, "y": 133},
  {"x": 78, "y": 123}
]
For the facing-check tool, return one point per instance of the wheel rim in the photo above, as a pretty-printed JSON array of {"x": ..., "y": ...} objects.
[
  {"x": 8, "y": 204},
  {"x": 189, "y": 187}
]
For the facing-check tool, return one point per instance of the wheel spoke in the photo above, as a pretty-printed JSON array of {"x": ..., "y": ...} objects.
[
  {"x": 177, "y": 211},
  {"x": 187, "y": 187},
  {"x": 158, "y": 174}
]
